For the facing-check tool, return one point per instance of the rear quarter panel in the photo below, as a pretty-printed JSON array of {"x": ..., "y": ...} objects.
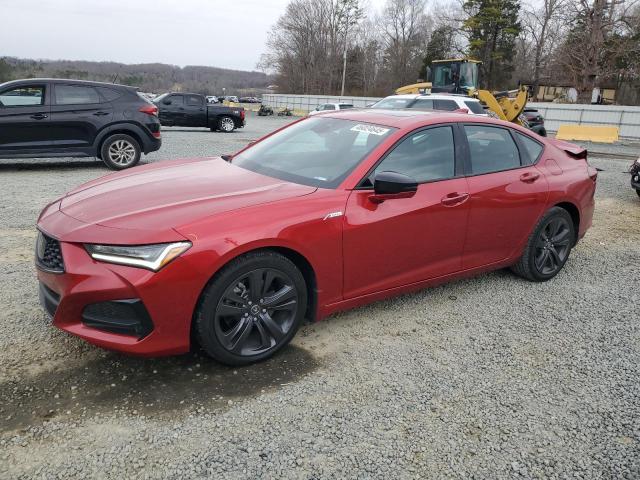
[{"x": 569, "y": 182}]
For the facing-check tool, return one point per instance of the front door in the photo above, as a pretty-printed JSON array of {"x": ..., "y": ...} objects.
[
  {"x": 507, "y": 195},
  {"x": 195, "y": 111},
  {"x": 24, "y": 119},
  {"x": 172, "y": 111},
  {"x": 402, "y": 241}
]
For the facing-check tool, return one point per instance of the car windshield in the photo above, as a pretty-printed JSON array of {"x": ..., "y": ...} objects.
[
  {"x": 320, "y": 152},
  {"x": 392, "y": 102}
]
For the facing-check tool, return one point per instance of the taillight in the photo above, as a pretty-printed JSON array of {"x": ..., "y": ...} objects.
[
  {"x": 149, "y": 110},
  {"x": 241, "y": 114},
  {"x": 156, "y": 134}
]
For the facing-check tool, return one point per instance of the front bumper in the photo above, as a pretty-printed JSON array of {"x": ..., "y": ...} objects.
[{"x": 121, "y": 308}]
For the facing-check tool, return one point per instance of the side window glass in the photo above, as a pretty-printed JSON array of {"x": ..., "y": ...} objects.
[
  {"x": 533, "y": 148},
  {"x": 75, "y": 95},
  {"x": 109, "y": 94},
  {"x": 423, "y": 103},
  {"x": 176, "y": 100},
  {"x": 474, "y": 107},
  {"x": 492, "y": 149},
  {"x": 425, "y": 156},
  {"x": 447, "y": 105},
  {"x": 25, "y": 96},
  {"x": 193, "y": 101}
]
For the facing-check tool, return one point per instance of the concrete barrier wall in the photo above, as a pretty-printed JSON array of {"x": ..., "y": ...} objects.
[{"x": 627, "y": 119}]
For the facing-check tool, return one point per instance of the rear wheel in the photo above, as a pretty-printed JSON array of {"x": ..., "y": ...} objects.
[
  {"x": 548, "y": 247},
  {"x": 226, "y": 124},
  {"x": 251, "y": 309},
  {"x": 120, "y": 151}
]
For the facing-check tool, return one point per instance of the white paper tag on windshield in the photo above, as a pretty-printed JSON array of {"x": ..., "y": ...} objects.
[{"x": 372, "y": 129}]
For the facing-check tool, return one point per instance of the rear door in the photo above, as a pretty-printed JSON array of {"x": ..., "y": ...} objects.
[
  {"x": 507, "y": 194},
  {"x": 24, "y": 118},
  {"x": 195, "y": 111},
  {"x": 78, "y": 112}
]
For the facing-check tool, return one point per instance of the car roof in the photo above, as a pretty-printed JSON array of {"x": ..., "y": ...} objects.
[
  {"x": 434, "y": 96},
  {"x": 65, "y": 80},
  {"x": 409, "y": 119}
]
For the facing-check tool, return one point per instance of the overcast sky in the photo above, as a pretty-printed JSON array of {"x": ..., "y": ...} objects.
[{"x": 220, "y": 33}]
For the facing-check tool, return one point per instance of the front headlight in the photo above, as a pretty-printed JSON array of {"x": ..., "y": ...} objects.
[{"x": 151, "y": 257}]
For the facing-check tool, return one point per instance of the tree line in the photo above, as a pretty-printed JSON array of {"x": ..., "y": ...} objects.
[
  {"x": 577, "y": 43},
  {"x": 150, "y": 77}
]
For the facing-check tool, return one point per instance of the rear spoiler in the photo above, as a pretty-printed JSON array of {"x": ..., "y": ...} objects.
[{"x": 573, "y": 150}]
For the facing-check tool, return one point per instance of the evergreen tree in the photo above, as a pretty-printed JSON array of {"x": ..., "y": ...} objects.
[
  {"x": 440, "y": 47},
  {"x": 493, "y": 27}
]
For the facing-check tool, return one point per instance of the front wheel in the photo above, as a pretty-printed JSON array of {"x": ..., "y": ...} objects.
[
  {"x": 251, "y": 309},
  {"x": 548, "y": 247},
  {"x": 226, "y": 124},
  {"x": 120, "y": 151}
]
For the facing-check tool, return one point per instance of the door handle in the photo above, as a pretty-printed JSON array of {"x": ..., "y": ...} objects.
[
  {"x": 101, "y": 114},
  {"x": 453, "y": 199},
  {"x": 529, "y": 177},
  {"x": 39, "y": 116}
]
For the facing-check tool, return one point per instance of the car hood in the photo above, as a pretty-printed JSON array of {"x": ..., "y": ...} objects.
[{"x": 170, "y": 194}]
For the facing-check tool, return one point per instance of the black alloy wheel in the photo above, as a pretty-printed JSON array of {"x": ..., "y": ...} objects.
[
  {"x": 548, "y": 246},
  {"x": 553, "y": 246},
  {"x": 256, "y": 311},
  {"x": 252, "y": 308}
]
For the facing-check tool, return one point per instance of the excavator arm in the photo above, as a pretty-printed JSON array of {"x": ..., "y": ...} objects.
[{"x": 505, "y": 107}]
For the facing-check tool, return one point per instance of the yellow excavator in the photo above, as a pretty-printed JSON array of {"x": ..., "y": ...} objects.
[{"x": 460, "y": 77}]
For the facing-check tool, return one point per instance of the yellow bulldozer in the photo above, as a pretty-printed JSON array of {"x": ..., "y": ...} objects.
[{"x": 460, "y": 77}]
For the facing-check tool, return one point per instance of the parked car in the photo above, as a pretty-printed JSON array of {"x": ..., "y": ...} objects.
[
  {"x": 230, "y": 98},
  {"x": 535, "y": 121},
  {"x": 328, "y": 213},
  {"x": 192, "y": 110},
  {"x": 212, "y": 99},
  {"x": 330, "y": 107},
  {"x": 42, "y": 118},
  {"x": 249, "y": 100},
  {"x": 448, "y": 103},
  {"x": 635, "y": 176}
]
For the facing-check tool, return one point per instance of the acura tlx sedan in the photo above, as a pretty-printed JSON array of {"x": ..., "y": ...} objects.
[{"x": 328, "y": 213}]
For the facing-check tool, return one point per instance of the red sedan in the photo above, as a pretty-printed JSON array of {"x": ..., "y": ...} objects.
[{"x": 328, "y": 213}]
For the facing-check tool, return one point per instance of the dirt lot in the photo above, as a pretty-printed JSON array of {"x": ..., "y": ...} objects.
[{"x": 491, "y": 377}]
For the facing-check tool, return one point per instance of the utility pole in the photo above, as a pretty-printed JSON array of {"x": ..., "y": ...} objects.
[{"x": 344, "y": 66}]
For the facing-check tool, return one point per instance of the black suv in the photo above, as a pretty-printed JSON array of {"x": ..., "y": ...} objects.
[{"x": 73, "y": 118}]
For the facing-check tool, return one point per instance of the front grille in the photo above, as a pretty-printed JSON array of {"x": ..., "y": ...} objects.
[{"x": 49, "y": 254}]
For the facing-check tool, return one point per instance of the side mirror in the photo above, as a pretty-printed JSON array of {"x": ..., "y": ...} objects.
[
  {"x": 392, "y": 185},
  {"x": 167, "y": 102}
]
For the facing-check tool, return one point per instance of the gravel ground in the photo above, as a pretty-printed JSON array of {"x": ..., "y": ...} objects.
[{"x": 492, "y": 377}]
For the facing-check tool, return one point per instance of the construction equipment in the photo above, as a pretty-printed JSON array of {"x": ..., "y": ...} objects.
[{"x": 461, "y": 77}]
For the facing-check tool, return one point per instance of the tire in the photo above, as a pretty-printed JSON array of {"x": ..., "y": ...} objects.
[
  {"x": 238, "y": 326},
  {"x": 226, "y": 124},
  {"x": 548, "y": 247},
  {"x": 120, "y": 151}
]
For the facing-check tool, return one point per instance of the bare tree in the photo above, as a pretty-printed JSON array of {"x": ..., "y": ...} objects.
[
  {"x": 542, "y": 30},
  {"x": 405, "y": 29},
  {"x": 595, "y": 42}
]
